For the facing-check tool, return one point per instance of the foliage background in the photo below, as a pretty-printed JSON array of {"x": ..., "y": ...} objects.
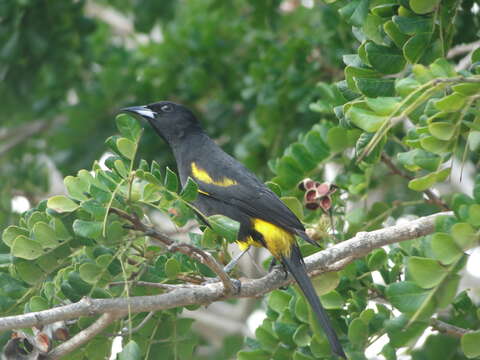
[{"x": 291, "y": 88}]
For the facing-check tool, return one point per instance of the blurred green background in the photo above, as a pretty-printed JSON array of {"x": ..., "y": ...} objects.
[{"x": 247, "y": 68}]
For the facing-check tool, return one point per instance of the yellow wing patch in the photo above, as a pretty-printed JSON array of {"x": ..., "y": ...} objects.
[
  {"x": 279, "y": 241},
  {"x": 200, "y": 174}
]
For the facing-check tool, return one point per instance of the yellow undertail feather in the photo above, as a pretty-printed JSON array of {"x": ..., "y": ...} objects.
[
  {"x": 279, "y": 241},
  {"x": 200, "y": 174},
  {"x": 248, "y": 241}
]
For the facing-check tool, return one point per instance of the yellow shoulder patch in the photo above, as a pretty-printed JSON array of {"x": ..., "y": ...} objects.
[
  {"x": 200, "y": 174},
  {"x": 279, "y": 241}
]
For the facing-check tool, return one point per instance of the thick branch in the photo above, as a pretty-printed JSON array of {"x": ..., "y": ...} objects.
[
  {"x": 327, "y": 260},
  {"x": 83, "y": 336}
]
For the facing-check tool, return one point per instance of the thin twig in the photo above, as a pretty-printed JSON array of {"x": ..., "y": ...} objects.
[
  {"x": 395, "y": 170},
  {"x": 208, "y": 260},
  {"x": 83, "y": 336},
  {"x": 462, "y": 49},
  {"x": 187, "y": 249},
  {"x": 448, "y": 329}
]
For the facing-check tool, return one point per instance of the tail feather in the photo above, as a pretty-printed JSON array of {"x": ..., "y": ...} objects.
[{"x": 296, "y": 267}]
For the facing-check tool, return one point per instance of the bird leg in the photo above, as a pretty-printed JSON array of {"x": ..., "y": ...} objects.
[{"x": 229, "y": 267}]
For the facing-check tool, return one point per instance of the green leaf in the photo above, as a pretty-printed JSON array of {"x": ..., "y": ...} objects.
[
  {"x": 190, "y": 190},
  {"x": 11, "y": 232},
  {"x": 38, "y": 303},
  {"x": 285, "y": 332},
  {"x": 266, "y": 338},
  {"x": 128, "y": 126},
  {"x": 294, "y": 205},
  {"x": 411, "y": 25},
  {"x": 77, "y": 284},
  {"x": 365, "y": 119},
  {"x": 376, "y": 259},
  {"x": 336, "y": 139},
  {"x": 302, "y": 336},
  {"x": 405, "y": 86},
  {"x": 423, "y": 6},
  {"x": 426, "y": 272},
  {"x": 278, "y": 300},
  {"x": 76, "y": 187},
  {"x": 451, "y": 103},
  {"x": 394, "y": 33},
  {"x": 423, "y": 183},
  {"x": 326, "y": 282},
  {"x": 90, "y": 272},
  {"x": 301, "y": 309},
  {"x": 442, "y": 130},
  {"x": 358, "y": 332},
  {"x": 172, "y": 268},
  {"x": 467, "y": 88},
  {"x": 445, "y": 249},
  {"x": 61, "y": 204},
  {"x": 474, "y": 215},
  {"x": 209, "y": 239},
  {"x": 171, "y": 180},
  {"x": 257, "y": 354},
  {"x": 384, "y": 59},
  {"x": 383, "y": 106},
  {"x": 26, "y": 248},
  {"x": 464, "y": 235},
  {"x": 88, "y": 229},
  {"x": 447, "y": 291},
  {"x": 373, "y": 87},
  {"x": 434, "y": 145},
  {"x": 332, "y": 300},
  {"x": 121, "y": 168},
  {"x": 126, "y": 147},
  {"x": 131, "y": 351},
  {"x": 298, "y": 355},
  {"x": 469, "y": 343},
  {"x": 406, "y": 296},
  {"x": 45, "y": 235},
  {"x": 415, "y": 47},
  {"x": 224, "y": 227}
]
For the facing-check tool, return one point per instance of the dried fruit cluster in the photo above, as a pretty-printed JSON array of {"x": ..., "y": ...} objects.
[{"x": 317, "y": 195}]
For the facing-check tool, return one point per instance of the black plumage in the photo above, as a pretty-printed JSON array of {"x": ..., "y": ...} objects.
[{"x": 228, "y": 188}]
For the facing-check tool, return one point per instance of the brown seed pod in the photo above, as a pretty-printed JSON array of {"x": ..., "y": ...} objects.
[
  {"x": 310, "y": 195},
  {"x": 325, "y": 203},
  {"x": 312, "y": 205},
  {"x": 306, "y": 184}
]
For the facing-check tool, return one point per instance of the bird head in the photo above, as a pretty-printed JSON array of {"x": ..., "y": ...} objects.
[{"x": 171, "y": 121}]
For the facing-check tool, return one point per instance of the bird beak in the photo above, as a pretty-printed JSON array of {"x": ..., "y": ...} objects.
[{"x": 143, "y": 111}]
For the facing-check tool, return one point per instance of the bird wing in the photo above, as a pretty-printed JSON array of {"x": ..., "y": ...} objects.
[{"x": 235, "y": 185}]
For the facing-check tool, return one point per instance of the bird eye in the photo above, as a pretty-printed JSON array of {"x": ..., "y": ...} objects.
[{"x": 166, "y": 108}]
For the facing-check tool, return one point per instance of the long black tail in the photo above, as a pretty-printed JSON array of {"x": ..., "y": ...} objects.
[{"x": 296, "y": 267}]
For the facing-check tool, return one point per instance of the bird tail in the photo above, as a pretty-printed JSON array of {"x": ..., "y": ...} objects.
[{"x": 294, "y": 264}]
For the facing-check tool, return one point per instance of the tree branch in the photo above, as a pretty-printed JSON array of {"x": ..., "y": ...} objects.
[
  {"x": 448, "y": 329},
  {"x": 462, "y": 49},
  {"x": 83, "y": 336},
  {"x": 187, "y": 249},
  {"x": 20, "y": 134},
  {"x": 334, "y": 257}
]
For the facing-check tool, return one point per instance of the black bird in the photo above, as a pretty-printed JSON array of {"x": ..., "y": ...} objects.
[{"x": 228, "y": 188}]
